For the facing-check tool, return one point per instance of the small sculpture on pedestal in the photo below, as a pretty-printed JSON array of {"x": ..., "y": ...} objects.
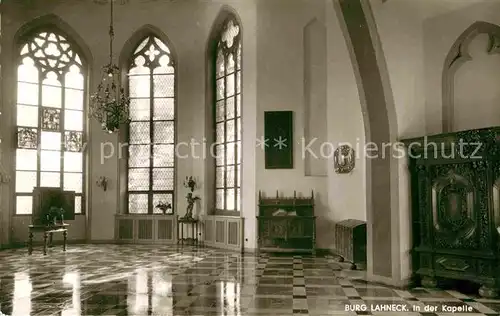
[{"x": 190, "y": 183}]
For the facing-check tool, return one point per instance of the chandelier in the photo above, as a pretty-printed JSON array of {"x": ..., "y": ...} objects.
[{"x": 109, "y": 105}]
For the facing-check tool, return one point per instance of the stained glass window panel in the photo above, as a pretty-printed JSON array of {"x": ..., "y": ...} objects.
[
  {"x": 51, "y": 96},
  {"x": 27, "y": 115},
  {"x": 50, "y": 179},
  {"x": 24, "y": 205},
  {"x": 164, "y": 132},
  {"x": 165, "y": 199},
  {"x": 219, "y": 111},
  {"x": 220, "y": 89},
  {"x": 230, "y": 154},
  {"x": 163, "y": 179},
  {"x": 25, "y": 181},
  {"x": 73, "y": 120},
  {"x": 163, "y": 155},
  {"x": 138, "y": 203},
  {"x": 230, "y": 175},
  {"x": 238, "y": 129},
  {"x": 139, "y": 133},
  {"x": 219, "y": 176},
  {"x": 78, "y": 205},
  {"x": 139, "y": 110},
  {"x": 50, "y": 160},
  {"x": 230, "y": 108},
  {"x": 238, "y": 152},
  {"x": 238, "y": 82},
  {"x": 230, "y": 63},
  {"x": 26, "y": 159},
  {"x": 164, "y": 109},
  {"x": 51, "y": 119},
  {"x": 219, "y": 65},
  {"x": 73, "y": 141},
  {"x": 73, "y": 182},
  {"x": 230, "y": 85},
  {"x": 220, "y": 155},
  {"x": 139, "y": 86},
  {"x": 219, "y": 133},
  {"x": 219, "y": 199},
  {"x": 73, "y": 99},
  {"x": 27, "y": 138},
  {"x": 163, "y": 86},
  {"x": 230, "y": 199},
  {"x": 27, "y": 93},
  {"x": 138, "y": 179},
  {"x": 51, "y": 141},
  {"x": 73, "y": 162},
  {"x": 230, "y": 130},
  {"x": 238, "y": 105},
  {"x": 238, "y": 57},
  {"x": 139, "y": 156}
]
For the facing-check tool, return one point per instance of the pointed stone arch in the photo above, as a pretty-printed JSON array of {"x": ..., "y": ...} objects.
[{"x": 459, "y": 55}]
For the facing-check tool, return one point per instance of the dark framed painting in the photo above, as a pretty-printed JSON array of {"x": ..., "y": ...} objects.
[{"x": 278, "y": 136}]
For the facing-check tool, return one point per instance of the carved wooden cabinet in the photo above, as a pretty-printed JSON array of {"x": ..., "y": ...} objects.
[
  {"x": 455, "y": 182},
  {"x": 286, "y": 224}
]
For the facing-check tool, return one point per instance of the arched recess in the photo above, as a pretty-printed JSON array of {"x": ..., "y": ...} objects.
[
  {"x": 225, "y": 14},
  {"x": 73, "y": 140},
  {"x": 382, "y": 196},
  {"x": 137, "y": 42},
  {"x": 457, "y": 56}
]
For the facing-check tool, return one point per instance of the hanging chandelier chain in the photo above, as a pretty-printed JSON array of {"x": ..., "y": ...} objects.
[{"x": 111, "y": 32}]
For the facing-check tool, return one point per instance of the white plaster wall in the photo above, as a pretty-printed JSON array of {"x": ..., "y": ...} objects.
[{"x": 440, "y": 32}]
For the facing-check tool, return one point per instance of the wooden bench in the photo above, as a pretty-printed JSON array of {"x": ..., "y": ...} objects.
[{"x": 48, "y": 232}]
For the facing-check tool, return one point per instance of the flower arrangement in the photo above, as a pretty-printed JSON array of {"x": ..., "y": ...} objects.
[{"x": 164, "y": 207}]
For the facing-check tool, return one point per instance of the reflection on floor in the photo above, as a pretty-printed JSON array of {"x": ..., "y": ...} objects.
[{"x": 163, "y": 280}]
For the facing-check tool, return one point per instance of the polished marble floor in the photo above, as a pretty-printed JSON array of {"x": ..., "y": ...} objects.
[{"x": 165, "y": 280}]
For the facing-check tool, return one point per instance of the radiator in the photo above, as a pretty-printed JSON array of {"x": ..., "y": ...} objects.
[{"x": 350, "y": 242}]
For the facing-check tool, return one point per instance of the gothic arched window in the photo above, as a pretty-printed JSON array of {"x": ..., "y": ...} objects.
[
  {"x": 151, "y": 134},
  {"x": 51, "y": 119},
  {"x": 227, "y": 118}
]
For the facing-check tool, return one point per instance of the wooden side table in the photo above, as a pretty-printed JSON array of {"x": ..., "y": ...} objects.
[
  {"x": 48, "y": 232},
  {"x": 192, "y": 233}
]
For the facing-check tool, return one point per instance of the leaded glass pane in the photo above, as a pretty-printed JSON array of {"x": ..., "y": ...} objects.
[
  {"x": 25, "y": 181},
  {"x": 238, "y": 57},
  {"x": 166, "y": 198},
  {"x": 238, "y": 199},
  {"x": 163, "y": 179},
  {"x": 27, "y": 72},
  {"x": 230, "y": 174},
  {"x": 141, "y": 45},
  {"x": 219, "y": 133},
  {"x": 27, "y": 93},
  {"x": 73, "y": 162},
  {"x": 73, "y": 78},
  {"x": 163, "y": 86},
  {"x": 219, "y": 64},
  {"x": 219, "y": 177},
  {"x": 238, "y": 105},
  {"x": 51, "y": 119},
  {"x": 73, "y": 141},
  {"x": 238, "y": 82},
  {"x": 166, "y": 67},
  {"x": 230, "y": 85},
  {"x": 230, "y": 63},
  {"x": 163, "y": 155},
  {"x": 50, "y": 179},
  {"x": 164, "y": 109},
  {"x": 230, "y": 32},
  {"x": 50, "y": 160},
  {"x": 152, "y": 52},
  {"x": 27, "y": 138},
  {"x": 139, "y": 86},
  {"x": 139, "y": 133},
  {"x": 219, "y": 199},
  {"x": 51, "y": 141},
  {"x": 78, "y": 205},
  {"x": 139, "y": 156},
  {"x": 219, "y": 155},
  {"x": 26, "y": 159},
  {"x": 73, "y": 99},
  {"x": 230, "y": 130},
  {"x": 164, "y": 132},
  {"x": 73, "y": 120},
  {"x": 238, "y": 175},
  {"x": 230, "y": 108},
  {"x": 51, "y": 96},
  {"x": 230, "y": 153},
  {"x": 138, "y": 203},
  {"x": 219, "y": 111},
  {"x": 73, "y": 182},
  {"x": 220, "y": 89},
  {"x": 140, "y": 110},
  {"x": 230, "y": 199},
  {"x": 238, "y": 152},
  {"x": 27, "y": 115},
  {"x": 138, "y": 179},
  {"x": 238, "y": 129},
  {"x": 24, "y": 205}
]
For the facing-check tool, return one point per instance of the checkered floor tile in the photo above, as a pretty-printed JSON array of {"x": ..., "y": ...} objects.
[{"x": 166, "y": 280}]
